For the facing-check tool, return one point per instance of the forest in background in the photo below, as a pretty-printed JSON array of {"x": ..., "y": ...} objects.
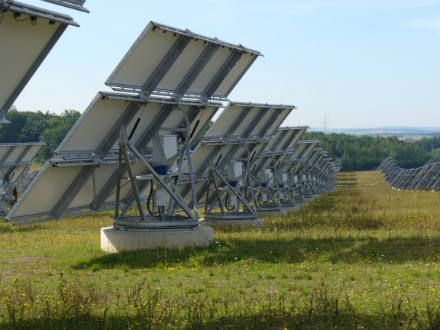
[
  {"x": 365, "y": 153},
  {"x": 29, "y": 126},
  {"x": 358, "y": 153}
]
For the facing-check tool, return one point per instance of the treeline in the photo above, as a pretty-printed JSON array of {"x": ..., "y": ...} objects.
[
  {"x": 431, "y": 145},
  {"x": 365, "y": 153},
  {"x": 28, "y": 126},
  {"x": 358, "y": 153}
]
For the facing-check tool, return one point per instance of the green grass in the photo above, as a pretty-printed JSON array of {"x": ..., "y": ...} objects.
[{"x": 364, "y": 256}]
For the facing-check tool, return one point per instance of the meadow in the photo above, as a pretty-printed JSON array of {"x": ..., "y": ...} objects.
[{"x": 362, "y": 257}]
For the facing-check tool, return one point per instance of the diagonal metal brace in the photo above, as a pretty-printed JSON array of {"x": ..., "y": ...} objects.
[
  {"x": 266, "y": 192},
  {"x": 175, "y": 195},
  {"x": 239, "y": 196}
]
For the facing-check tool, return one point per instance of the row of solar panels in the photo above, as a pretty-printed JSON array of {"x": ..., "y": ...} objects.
[
  {"x": 426, "y": 177},
  {"x": 85, "y": 179},
  {"x": 169, "y": 86}
]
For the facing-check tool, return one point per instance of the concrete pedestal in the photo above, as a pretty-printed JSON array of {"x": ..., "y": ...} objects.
[
  {"x": 235, "y": 223},
  {"x": 292, "y": 209},
  {"x": 301, "y": 204},
  {"x": 117, "y": 239}
]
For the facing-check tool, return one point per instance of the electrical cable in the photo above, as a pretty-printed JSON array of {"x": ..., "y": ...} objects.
[
  {"x": 259, "y": 199},
  {"x": 149, "y": 201},
  {"x": 21, "y": 20}
]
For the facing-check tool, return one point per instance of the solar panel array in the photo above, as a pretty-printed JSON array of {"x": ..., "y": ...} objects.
[
  {"x": 272, "y": 188},
  {"x": 131, "y": 149},
  {"x": 426, "y": 177}
]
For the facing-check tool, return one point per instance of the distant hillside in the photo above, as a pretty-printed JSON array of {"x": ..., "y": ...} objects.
[{"x": 403, "y": 132}]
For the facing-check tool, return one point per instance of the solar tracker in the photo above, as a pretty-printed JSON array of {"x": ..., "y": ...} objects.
[
  {"x": 221, "y": 161},
  {"x": 270, "y": 185},
  {"x": 314, "y": 174},
  {"x": 293, "y": 163},
  {"x": 89, "y": 170},
  {"x": 27, "y": 35},
  {"x": 304, "y": 173}
]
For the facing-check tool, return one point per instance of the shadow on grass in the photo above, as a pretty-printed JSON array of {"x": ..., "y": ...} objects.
[
  {"x": 278, "y": 317},
  {"x": 347, "y": 182},
  {"x": 277, "y": 250},
  {"x": 7, "y": 228}
]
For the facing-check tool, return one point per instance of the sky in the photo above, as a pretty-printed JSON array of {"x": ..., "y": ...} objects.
[{"x": 359, "y": 63}]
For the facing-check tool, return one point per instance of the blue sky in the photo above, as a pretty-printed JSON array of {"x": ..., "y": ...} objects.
[{"x": 362, "y": 63}]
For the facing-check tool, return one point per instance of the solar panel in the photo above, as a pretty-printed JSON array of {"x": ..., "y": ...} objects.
[
  {"x": 27, "y": 35},
  {"x": 169, "y": 61},
  {"x": 15, "y": 162}
]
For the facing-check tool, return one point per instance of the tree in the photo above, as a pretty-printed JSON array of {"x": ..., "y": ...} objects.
[{"x": 28, "y": 126}]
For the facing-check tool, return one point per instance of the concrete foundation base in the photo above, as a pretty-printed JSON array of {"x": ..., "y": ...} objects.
[
  {"x": 281, "y": 213},
  {"x": 235, "y": 223},
  {"x": 292, "y": 209},
  {"x": 115, "y": 239},
  {"x": 301, "y": 204}
]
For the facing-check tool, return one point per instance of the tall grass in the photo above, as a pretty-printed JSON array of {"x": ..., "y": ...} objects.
[{"x": 363, "y": 257}]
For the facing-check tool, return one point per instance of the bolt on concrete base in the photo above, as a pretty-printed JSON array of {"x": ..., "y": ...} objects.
[{"x": 117, "y": 239}]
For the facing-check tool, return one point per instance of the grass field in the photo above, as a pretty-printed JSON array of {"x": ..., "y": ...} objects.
[{"x": 362, "y": 257}]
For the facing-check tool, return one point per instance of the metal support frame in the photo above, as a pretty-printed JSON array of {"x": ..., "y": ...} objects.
[
  {"x": 269, "y": 194},
  {"x": 165, "y": 181}
]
